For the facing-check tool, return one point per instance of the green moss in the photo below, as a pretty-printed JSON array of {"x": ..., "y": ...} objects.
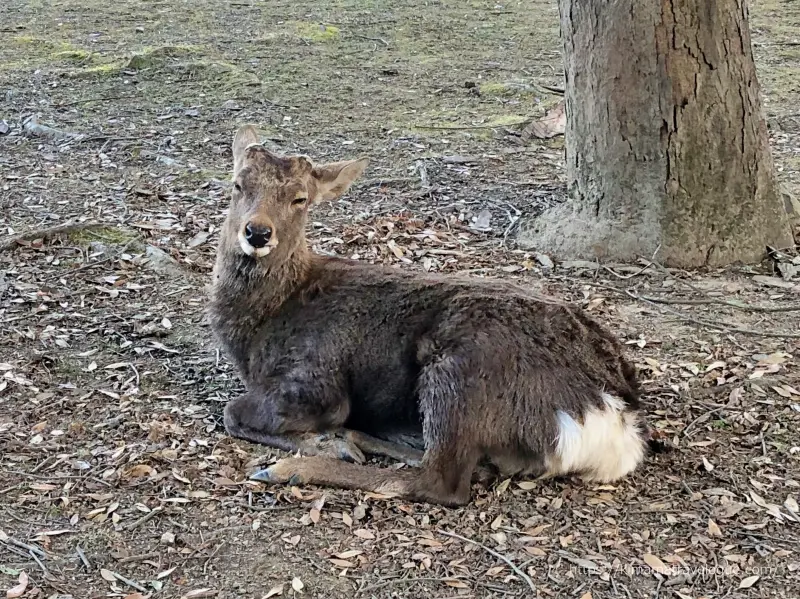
[
  {"x": 157, "y": 57},
  {"x": 74, "y": 55},
  {"x": 316, "y": 32},
  {"x": 114, "y": 235},
  {"x": 101, "y": 70}
]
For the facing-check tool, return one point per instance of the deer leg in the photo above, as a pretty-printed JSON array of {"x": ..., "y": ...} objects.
[
  {"x": 424, "y": 485},
  {"x": 251, "y": 417},
  {"x": 374, "y": 446},
  {"x": 447, "y": 466}
]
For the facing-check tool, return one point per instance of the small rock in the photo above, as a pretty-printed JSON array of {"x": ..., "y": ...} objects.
[
  {"x": 788, "y": 270},
  {"x": 231, "y": 105},
  {"x": 168, "y": 538},
  {"x": 167, "y": 161},
  {"x": 4, "y": 127},
  {"x": 545, "y": 261},
  {"x": 483, "y": 221},
  {"x": 98, "y": 248},
  {"x": 160, "y": 261}
]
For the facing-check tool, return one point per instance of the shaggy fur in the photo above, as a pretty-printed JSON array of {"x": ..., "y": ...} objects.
[{"x": 339, "y": 356}]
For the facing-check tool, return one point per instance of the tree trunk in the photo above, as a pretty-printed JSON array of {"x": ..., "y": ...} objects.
[{"x": 666, "y": 144}]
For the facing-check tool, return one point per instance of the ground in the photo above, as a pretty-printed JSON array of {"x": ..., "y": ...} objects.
[{"x": 116, "y": 475}]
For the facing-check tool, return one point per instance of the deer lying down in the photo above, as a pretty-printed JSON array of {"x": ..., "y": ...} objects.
[{"x": 341, "y": 357}]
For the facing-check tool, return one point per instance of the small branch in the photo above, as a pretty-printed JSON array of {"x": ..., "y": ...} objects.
[
  {"x": 148, "y": 516},
  {"x": 83, "y": 558},
  {"x": 138, "y": 558},
  {"x": 88, "y": 100},
  {"x": 721, "y": 302},
  {"x": 32, "y": 128},
  {"x": 469, "y": 127},
  {"x": 513, "y": 566},
  {"x": 720, "y": 327},
  {"x": 129, "y": 582},
  {"x": 701, "y": 418},
  {"x": 723, "y": 327},
  {"x": 15, "y": 240},
  {"x": 372, "y": 39}
]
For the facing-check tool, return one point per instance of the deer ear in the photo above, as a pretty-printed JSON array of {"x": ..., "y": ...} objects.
[
  {"x": 245, "y": 136},
  {"x": 336, "y": 178}
]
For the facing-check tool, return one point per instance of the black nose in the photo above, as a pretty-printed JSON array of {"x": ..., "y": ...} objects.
[{"x": 257, "y": 235}]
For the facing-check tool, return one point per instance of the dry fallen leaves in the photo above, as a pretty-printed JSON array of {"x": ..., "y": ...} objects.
[
  {"x": 20, "y": 588},
  {"x": 655, "y": 563},
  {"x": 274, "y": 592},
  {"x": 748, "y": 582},
  {"x": 713, "y": 529}
]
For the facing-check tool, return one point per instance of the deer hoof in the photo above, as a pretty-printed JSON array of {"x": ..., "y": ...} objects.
[{"x": 279, "y": 473}]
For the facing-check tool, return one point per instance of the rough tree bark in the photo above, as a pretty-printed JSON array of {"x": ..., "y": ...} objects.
[{"x": 666, "y": 144}]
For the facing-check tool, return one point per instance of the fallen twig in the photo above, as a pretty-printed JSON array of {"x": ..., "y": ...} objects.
[
  {"x": 511, "y": 564},
  {"x": 723, "y": 328},
  {"x": 148, "y": 516},
  {"x": 138, "y": 558},
  {"x": 372, "y": 39},
  {"x": 129, "y": 582},
  {"x": 38, "y": 562},
  {"x": 721, "y": 302},
  {"x": 72, "y": 227},
  {"x": 468, "y": 127},
  {"x": 32, "y": 128},
  {"x": 83, "y": 558},
  {"x": 720, "y": 327}
]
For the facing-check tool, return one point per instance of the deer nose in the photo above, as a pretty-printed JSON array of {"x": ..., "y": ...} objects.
[{"x": 257, "y": 235}]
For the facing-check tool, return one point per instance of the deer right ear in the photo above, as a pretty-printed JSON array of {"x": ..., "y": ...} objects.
[{"x": 245, "y": 136}]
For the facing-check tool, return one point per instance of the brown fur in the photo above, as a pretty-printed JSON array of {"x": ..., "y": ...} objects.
[{"x": 338, "y": 354}]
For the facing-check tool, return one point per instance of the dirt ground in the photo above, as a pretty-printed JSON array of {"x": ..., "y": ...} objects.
[{"x": 116, "y": 476}]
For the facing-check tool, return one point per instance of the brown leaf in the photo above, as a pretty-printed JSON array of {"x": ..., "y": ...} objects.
[
  {"x": 348, "y": 554},
  {"x": 748, "y": 582},
  {"x": 297, "y": 584},
  {"x": 456, "y": 584},
  {"x": 196, "y": 593},
  {"x": 655, "y": 563},
  {"x": 342, "y": 563},
  {"x": 363, "y": 533},
  {"x": 550, "y": 125},
  {"x": 108, "y": 575},
  {"x": 713, "y": 529},
  {"x": 19, "y": 589},
  {"x": 587, "y": 595},
  {"x": 274, "y": 592},
  {"x": 314, "y": 515}
]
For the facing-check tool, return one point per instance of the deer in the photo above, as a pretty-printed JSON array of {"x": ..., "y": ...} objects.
[{"x": 341, "y": 358}]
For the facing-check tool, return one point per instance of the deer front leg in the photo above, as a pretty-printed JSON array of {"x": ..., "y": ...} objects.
[
  {"x": 259, "y": 417},
  {"x": 374, "y": 446}
]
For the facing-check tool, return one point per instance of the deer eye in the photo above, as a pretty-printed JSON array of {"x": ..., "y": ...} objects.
[
  {"x": 298, "y": 201},
  {"x": 237, "y": 187}
]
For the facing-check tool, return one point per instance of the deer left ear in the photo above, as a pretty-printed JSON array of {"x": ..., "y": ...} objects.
[
  {"x": 245, "y": 136},
  {"x": 335, "y": 179}
]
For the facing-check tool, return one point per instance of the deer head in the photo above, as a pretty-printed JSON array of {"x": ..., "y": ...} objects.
[{"x": 272, "y": 195}]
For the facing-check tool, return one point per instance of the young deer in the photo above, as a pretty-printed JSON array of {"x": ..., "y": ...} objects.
[{"x": 340, "y": 357}]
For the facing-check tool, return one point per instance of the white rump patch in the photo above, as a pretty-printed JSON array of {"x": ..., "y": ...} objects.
[{"x": 607, "y": 446}]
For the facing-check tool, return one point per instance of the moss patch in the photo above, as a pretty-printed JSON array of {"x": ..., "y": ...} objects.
[
  {"x": 317, "y": 32},
  {"x": 113, "y": 235},
  {"x": 74, "y": 55},
  {"x": 154, "y": 58}
]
